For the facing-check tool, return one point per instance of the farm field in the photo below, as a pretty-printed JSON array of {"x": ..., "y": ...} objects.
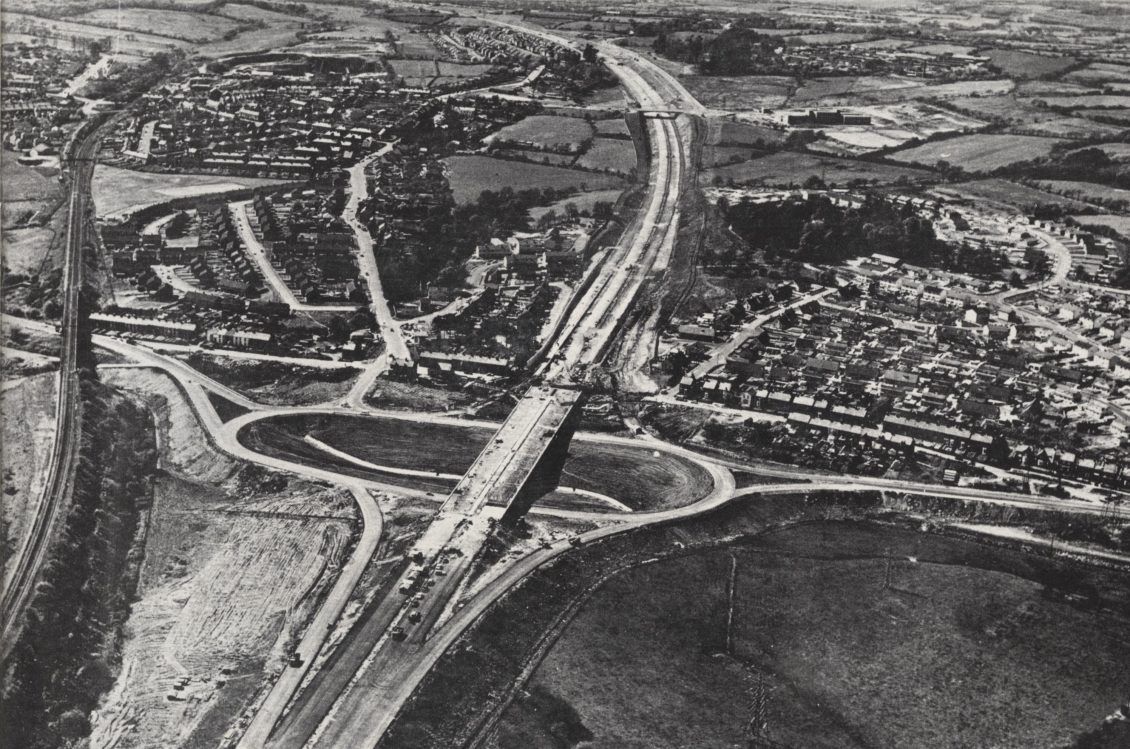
[
  {"x": 1006, "y": 109},
  {"x": 1070, "y": 127},
  {"x": 63, "y": 32},
  {"x": 1113, "y": 115},
  {"x": 979, "y": 153},
  {"x": 253, "y": 13},
  {"x": 740, "y": 92},
  {"x": 612, "y": 127},
  {"x": 583, "y": 201},
  {"x": 553, "y": 133},
  {"x": 192, "y": 27},
  {"x": 541, "y": 157},
  {"x": 884, "y": 44},
  {"x": 1116, "y": 151},
  {"x": 789, "y": 168},
  {"x": 935, "y": 91},
  {"x": 26, "y": 183},
  {"x": 1120, "y": 224},
  {"x": 941, "y": 50},
  {"x": 1054, "y": 88},
  {"x": 121, "y": 191},
  {"x": 1089, "y": 191},
  {"x": 817, "y": 40},
  {"x": 609, "y": 154},
  {"x": 1009, "y": 194},
  {"x": 462, "y": 69},
  {"x": 470, "y": 175},
  {"x": 1088, "y": 102},
  {"x": 252, "y": 40},
  {"x": 1017, "y": 64},
  {"x": 414, "y": 68},
  {"x": 714, "y": 156},
  {"x": 991, "y": 658},
  {"x": 1098, "y": 73},
  {"x": 731, "y": 133},
  {"x": 632, "y": 475},
  {"x": 821, "y": 88}
]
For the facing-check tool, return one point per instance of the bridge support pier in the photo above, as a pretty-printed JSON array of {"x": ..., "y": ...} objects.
[{"x": 546, "y": 474}]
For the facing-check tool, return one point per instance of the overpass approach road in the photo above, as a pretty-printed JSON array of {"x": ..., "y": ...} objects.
[{"x": 512, "y": 470}]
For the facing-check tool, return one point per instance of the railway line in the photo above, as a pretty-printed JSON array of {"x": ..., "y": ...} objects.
[{"x": 64, "y": 455}]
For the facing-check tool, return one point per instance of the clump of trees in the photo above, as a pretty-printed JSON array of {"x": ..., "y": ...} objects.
[
  {"x": 818, "y": 231},
  {"x": 69, "y": 652},
  {"x": 448, "y": 238},
  {"x": 735, "y": 51}
]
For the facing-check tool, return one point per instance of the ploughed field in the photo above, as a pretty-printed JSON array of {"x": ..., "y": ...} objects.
[
  {"x": 635, "y": 476},
  {"x": 954, "y": 644}
]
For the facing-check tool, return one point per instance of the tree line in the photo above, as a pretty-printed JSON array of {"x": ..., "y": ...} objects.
[{"x": 69, "y": 652}]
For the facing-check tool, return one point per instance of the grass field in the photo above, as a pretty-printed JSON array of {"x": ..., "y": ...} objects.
[
  {"x": 64, "y": 31},
  {"x": 1017, "y": 64},
  {"x": 609, "y": 154},
  {"x": 789, "y": 168},
  {"x": 1088, "y": 102},
  {"x": 1098, "y": 73},
  {"x": 1054, "y": 88},
  {"x": 275, "y": 382},
  {"x": 1086, "y": 190},
  {"x": 730, "y": 133},
  {"x": 584, "y": 202},
  {"x": 894, "y": 94},
  {"x": 24, "y": 249},
  {"x": 941, "y": 50},
  {"x": 963, "y": 649},
  {"x": 565, "y": 134},
  {"x": 613, "y": 126},
  {"x": 740, "y": 92},
  {"x": 1120, "y": 224},
  {"x": 192, "y": 27},
  {"x": 414, "y": 68},
  {"x": 253, "y": 13},
  {"x": 1003, "y": 108},
  {"x": 121, "y": 191},
  {"x": 462, "y": 70},
  {"x": 26, "y": 182},
  {"x": 820, "y": 88},
  {"x": 715, "y": 156},
  {"x": 827, "y": 39},
  {"x": 1011, "y": 194},
  {"x": 980, "y": 152},
  {"x": 1117, "y": 115},
  {"x": 1070, "y": 127},
  {"x": 470, "y": 175},
  {"x": 884, "y": 44},
  {"x": 632, "y": 475},
  {"x": 1116, "y": 151}
]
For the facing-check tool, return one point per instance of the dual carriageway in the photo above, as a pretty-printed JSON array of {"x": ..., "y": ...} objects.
[{"x": 353, "y": 700}]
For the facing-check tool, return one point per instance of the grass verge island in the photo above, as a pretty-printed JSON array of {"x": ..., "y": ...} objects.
[{"x": 638, "y": 477}]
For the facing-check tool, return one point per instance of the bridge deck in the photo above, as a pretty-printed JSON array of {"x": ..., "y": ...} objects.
[{"x": 505, "y": 463}]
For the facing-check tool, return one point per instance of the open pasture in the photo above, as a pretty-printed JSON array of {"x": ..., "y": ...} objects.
[
  {"x": 470, "y": 175},
  {"x": 980, "y": 152}
]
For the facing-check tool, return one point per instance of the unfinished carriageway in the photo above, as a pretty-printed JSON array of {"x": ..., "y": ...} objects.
[{"x": 520, "y": 464}]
